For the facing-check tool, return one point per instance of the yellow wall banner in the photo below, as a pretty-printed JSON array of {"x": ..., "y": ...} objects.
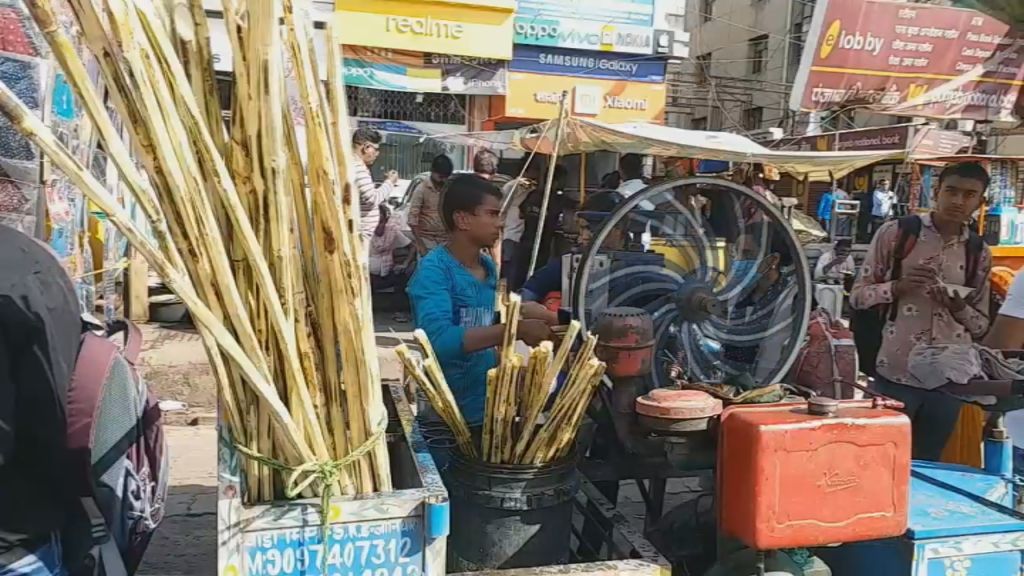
[
  {"x": 440, "y": 26},
  {"x": 535, "y": 96}
]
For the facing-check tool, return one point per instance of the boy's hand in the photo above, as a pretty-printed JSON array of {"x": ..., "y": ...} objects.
[
  {"x": 537, "y": 311},
  {"x": 954, "y": 303},
  {"x": 915, "y": 280},
  {"x": 533, "y": 331}
]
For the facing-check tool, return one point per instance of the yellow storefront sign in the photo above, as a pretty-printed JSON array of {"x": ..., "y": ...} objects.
[
  {"x": 463, "y": 28},
  {"x": 536, "y": 96}
]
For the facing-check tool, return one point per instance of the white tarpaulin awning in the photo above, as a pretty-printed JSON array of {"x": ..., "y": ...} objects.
[{"x": 581, "y": 135}]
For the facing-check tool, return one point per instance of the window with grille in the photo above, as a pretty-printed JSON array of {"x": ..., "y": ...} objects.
[
  {"x": 702, "y": 70},
  {"x": 715, "y": 123},
  {"x": 406, "y": 106},
  {"x": 758, "y": 53},
  {"x": 796, "y": 43},
  {"x": 707, "y": 10},
  {"x": 753, "y": 117}
]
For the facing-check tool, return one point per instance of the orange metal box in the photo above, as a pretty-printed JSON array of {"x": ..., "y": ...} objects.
[{"x": 788, "y": 478}]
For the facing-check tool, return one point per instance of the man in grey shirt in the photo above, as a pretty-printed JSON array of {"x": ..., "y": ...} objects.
[{"x": 366, "y": 145}]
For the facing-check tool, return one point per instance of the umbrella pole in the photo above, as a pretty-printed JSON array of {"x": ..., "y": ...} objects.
[{"x": 547, "y": 187}]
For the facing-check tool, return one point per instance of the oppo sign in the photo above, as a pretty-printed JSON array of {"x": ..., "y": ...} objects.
[{"x": 584, "y": 35}]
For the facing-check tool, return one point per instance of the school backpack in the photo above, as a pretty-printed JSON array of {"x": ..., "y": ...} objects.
[
  {"x": 867, "y": 325},
  {"x": 117, "y": 450},
  {"x": 827, "y": 362}
]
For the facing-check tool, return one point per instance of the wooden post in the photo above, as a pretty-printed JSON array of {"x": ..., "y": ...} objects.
[
  {"x": 138, "y": 288},
  {"x": 583, "y": 178},
  {"x": 547, "y": 186}
]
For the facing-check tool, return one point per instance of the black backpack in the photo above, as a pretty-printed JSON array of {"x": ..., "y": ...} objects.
[{"x": 867, "y": 325}]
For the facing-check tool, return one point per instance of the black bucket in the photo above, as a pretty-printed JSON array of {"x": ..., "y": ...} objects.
[{"x": 509, "y": 516}]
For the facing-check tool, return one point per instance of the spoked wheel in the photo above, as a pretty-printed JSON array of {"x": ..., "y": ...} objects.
[{"x": 719, "y": 270}]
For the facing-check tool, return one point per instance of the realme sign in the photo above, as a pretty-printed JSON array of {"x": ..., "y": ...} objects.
[
  {"x": 458, "y": 27},
  {"x": 427, "y": 27}
]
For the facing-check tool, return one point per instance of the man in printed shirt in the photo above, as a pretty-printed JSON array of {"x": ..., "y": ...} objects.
[
  {"x": 366, "y": 145},
  {"x": 425, "y": 207},
  {"x": 926, "y": 314}
]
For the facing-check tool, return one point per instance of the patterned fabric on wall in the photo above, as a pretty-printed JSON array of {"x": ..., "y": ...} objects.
[{"x": 25, "y": 74}]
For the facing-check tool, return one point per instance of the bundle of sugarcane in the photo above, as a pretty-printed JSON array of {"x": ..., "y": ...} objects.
[
  {"x": 430, "y": 379},
  {"x": 517, "y": 394},
  {"x": 263, "y": 250}
]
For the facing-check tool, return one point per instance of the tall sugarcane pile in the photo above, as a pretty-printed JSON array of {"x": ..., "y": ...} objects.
[
  {"x": 519, "y": 425},
  {"x": 264, "y": 250}
]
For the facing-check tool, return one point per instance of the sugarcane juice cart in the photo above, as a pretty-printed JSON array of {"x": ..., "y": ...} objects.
[{"x": 789, "y": 481}]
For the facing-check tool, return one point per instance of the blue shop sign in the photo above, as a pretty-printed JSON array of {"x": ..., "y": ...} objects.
[{"x": 587, "y": 64}]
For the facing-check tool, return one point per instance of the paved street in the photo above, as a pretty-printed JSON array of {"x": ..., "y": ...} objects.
[{"x": 187, "y": 540}]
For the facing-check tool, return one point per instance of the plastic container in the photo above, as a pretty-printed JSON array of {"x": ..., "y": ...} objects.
[
  {"x": 1007, "y": 225},
  {"x": 790, "y": 478},
  {"x": 509, "y": 516}
]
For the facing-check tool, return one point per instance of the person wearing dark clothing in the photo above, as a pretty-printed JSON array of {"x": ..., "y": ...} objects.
[
  {"x": 40, "y": 327},
  {"x": 596, "y": 209}
]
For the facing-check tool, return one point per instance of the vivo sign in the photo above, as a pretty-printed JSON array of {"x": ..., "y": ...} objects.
[{"x": 583, "y": 35}]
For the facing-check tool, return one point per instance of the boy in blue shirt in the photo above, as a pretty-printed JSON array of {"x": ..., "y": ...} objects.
[{"x": 453, "y": 293}]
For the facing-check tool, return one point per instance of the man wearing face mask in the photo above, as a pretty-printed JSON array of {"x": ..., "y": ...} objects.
[{"x": 765, "y": 295}]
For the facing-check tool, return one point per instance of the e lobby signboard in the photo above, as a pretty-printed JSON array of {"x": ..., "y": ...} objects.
[
  {"x": 910, "y": 59},
  {"x": 587, "y": 64},
  {"x": 606, "y": 25},
  {"x": 536, "y": 96},
  {"x": 481, "y": 28}
]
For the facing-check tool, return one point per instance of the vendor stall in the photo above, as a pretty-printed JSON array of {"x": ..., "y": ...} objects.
[{"x": 1002, "y": 221}]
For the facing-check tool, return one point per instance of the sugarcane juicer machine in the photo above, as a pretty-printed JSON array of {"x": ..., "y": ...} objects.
[{"x": 790, "y": 482}]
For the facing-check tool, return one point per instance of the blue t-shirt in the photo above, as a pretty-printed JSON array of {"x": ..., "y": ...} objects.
[
  {"x": 825, "y": 206},
  {"x": 446, "y": 301},
  {"x": 543, "y": 282}
]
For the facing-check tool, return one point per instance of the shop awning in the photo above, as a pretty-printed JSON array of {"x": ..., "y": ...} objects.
[{"x": 591, "y": 136}]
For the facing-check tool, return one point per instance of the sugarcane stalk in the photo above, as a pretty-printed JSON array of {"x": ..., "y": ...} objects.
[{"x": 33, "y": 129}]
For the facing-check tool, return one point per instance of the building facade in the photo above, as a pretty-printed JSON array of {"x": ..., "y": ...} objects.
[{"x": 743, "y": 58}]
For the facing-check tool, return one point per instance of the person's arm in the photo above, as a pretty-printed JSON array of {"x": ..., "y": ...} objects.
[
  {"x": 1007, "y": 331},
  {"x": 413, "y": 218},
  {"x": 415, "y": 207},
  {"x": 974, "y": 316},
  {"x": 823, "y": 262},
  {"x": 872, "y": 287},
  {"x": 433, "y": 312},
  {"x": 370, "y": 196}
]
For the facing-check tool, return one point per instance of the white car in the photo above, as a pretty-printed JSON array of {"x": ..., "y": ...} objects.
[{"x": 401, "y": 195}]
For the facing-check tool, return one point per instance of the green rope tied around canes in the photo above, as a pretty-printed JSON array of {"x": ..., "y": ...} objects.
[{"x": 325, "y": 473}]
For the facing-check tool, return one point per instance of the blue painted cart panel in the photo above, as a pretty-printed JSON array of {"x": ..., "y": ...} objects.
[
  {"x": 961, "y": 524},
  {"x": 399, "y": 533},
  {"x": 384, "y": 548},
  {"x": 947, "y": 500}
]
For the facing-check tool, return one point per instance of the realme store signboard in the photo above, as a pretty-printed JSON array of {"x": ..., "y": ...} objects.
[{"x": 460, "y": 27}]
